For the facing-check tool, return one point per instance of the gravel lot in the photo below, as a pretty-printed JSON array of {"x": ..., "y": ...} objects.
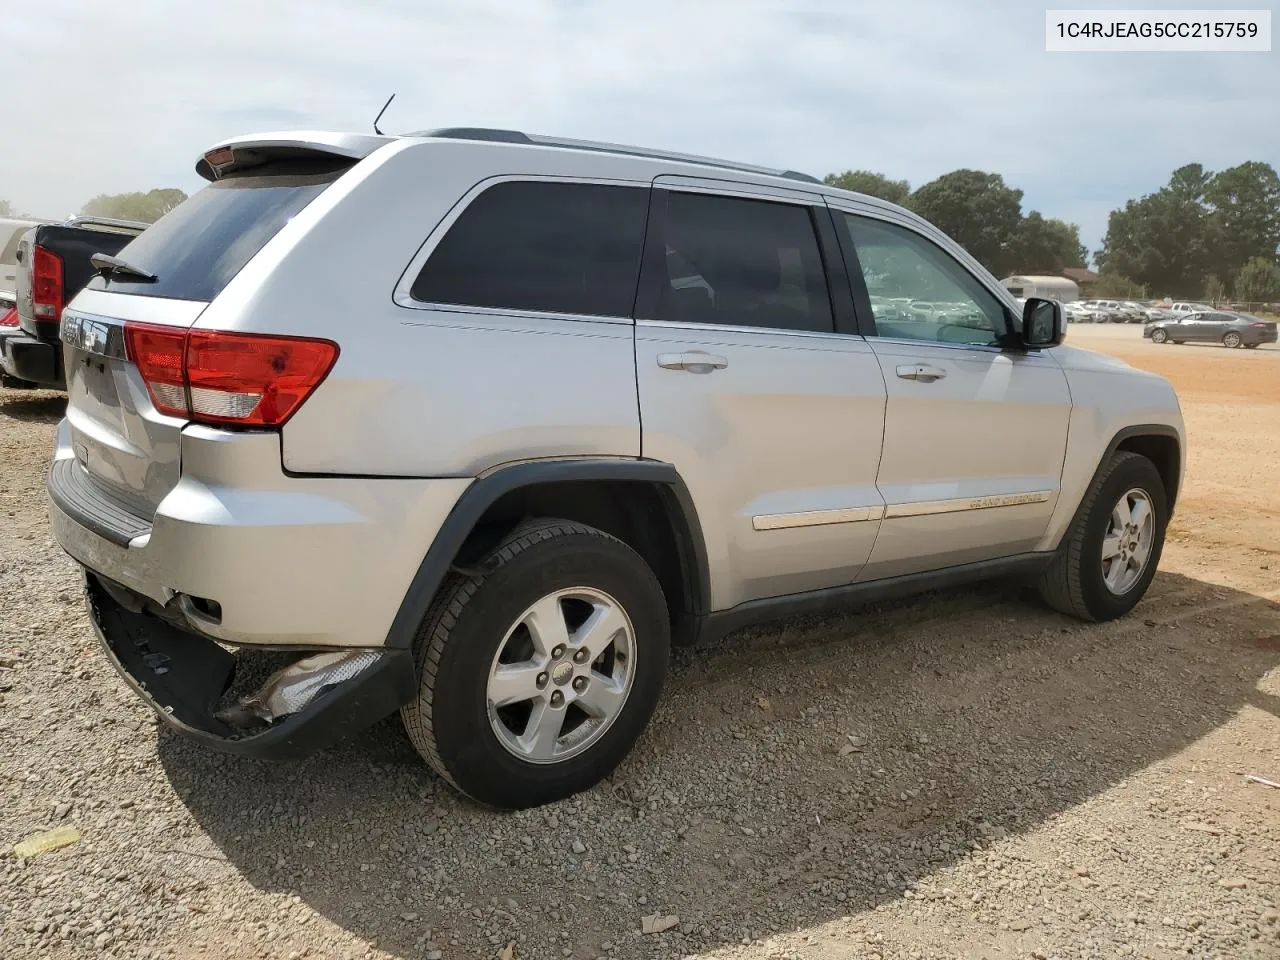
[{"x": 966, "y": 775}]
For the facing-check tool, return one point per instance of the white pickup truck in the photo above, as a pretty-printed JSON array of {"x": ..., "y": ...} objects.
[{"x": 11, "y": 231}]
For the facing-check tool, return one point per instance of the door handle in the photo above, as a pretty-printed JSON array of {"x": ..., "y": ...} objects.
[
  {"x": 921, "y": 372},
  {"x": 695, "y": 361}
]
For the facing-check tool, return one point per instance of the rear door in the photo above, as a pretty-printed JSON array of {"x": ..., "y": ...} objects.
[
  {"x": 755, "y": 385},
  {"x": 975, "y": 435},
  {"x": 124, "y": 445}
]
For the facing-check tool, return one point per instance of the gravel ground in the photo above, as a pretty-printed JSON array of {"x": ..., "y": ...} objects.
[{"x": 965, "y": 775}]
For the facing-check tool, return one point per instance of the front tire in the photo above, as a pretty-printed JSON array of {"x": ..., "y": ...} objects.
[
  {"x": 1110, "y": 553},
  {"x": 1231, "y": 339},
  {"x": 538, "y": 675},
  {"x": 1159, "y": 336}
]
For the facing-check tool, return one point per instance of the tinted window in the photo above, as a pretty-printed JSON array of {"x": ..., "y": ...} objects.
[
  {"x": 918, "y": 291},
  {"x": 744, "y": 262},
  {"x": 553, "y": 247},
  {"x": 195, "y": 249}
]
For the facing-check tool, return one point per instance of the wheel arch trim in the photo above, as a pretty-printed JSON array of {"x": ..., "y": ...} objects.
[
  {"x": 489, "y": 488},
  {"x": 1129, "y": 433}
]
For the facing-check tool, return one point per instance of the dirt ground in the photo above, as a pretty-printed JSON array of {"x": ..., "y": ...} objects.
[{"x": 966, "y": 775}]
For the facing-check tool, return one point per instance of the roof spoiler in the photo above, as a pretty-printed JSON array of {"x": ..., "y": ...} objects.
[{"x": 253, "y": 150}]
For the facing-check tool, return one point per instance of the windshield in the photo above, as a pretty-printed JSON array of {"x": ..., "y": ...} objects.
[{"x": 199, "y": 246}]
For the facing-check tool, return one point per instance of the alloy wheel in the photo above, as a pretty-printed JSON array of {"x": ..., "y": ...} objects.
[
  {"x": 1126, "y": 546},
  {"x": 561, "y": 675}
]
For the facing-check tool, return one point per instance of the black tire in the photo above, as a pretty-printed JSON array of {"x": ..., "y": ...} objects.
[
  {"x": 448, "y": 721},
  {"x": 1073, "y": 583},
  {"x": 1178, "y": 343},
  {"x": 1251, "y": 346},
  {"x": 1159, "y": 336},
  {"x": 1231, "y": 339}
]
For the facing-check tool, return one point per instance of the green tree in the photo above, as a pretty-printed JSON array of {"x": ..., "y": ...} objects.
[
  {"x": 1047, "y": 245},
  {"x": 1115, "y": 287},
  {"x": 1258, "y": 281},
  {"x": 1163, "y": 240},
  {"x": 6, "y": 208},
  {"x": 145, "y": 207},
  {"x": 1245, "y": 218},
  {"x": 872, "y": 184},
  {"x": 978, "y": 211}
]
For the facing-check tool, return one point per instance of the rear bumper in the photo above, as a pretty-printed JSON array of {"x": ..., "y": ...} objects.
[
  {"x": 23, "y": 357},
  {"x": 183, "y": 676},
  {"x": 250, "y": 555}
]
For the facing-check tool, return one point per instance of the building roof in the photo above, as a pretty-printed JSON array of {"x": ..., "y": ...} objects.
[
  {"x": 1079, "y": 274},
  {"x": 1036, "y": 278}
]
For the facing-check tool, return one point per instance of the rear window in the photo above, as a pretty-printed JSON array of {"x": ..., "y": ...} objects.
[
  {"x": 199, "y": 246},
  {"x": 550, "y": 247}
]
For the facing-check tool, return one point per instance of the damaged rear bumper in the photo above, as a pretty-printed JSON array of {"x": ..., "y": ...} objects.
[{"x": 185, "y": 678}]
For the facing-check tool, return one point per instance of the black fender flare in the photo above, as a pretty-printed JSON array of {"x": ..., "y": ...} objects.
[
  {"x": 1128, "y": 433},
  {"x": 486, "y": 491}
]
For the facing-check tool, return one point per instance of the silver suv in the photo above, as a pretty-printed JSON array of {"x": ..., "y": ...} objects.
[{"x": 473, "y": 425}]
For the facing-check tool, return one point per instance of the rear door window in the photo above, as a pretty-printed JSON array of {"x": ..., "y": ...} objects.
[
  {"x": 541, "y": 246},
  {"x": 741, "y": 262},
  {"x": 199, "y": 246}
]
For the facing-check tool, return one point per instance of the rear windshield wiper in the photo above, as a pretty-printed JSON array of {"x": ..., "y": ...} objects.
[{"x": 109, "y": 267}]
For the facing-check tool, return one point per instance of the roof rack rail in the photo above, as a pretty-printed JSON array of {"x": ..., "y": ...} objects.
[
  {"x": 107, "y": 222},
  {"x": 493, "y": 135}
]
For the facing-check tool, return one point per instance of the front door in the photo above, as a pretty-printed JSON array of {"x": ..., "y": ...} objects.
[
  {"x": 975, "y": 436},
  {"x": 771, "y": 416}
]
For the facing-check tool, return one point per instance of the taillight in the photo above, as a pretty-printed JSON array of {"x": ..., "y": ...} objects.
[
  {"x": 46, "y": 284},
  {"x": 158, "y": 352},
  {"x": 236, "y": 378},
  {"x": 9, "y": 318}
]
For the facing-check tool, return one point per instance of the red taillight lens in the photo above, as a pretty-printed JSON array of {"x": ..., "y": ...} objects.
[
  {"x": 157, "y": 352},
  {"x": 46, "y": 284},
  {"x": 9, "y": 318},
  {"x": 216, "y": 377},
  {"x": 251, "y": 379}
]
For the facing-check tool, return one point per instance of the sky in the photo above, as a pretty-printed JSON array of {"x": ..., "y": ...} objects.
[{"x": 113, "y": 97}]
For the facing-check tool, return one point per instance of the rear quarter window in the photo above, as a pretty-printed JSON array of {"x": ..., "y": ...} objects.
[
  {"x": 541, "y": 246},
  {"x": 198, "y": 247}
]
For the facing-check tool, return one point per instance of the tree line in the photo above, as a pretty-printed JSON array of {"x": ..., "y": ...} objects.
[{"x": 1203, "y": 235}]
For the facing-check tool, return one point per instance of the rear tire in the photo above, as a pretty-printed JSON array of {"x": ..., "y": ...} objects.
[
  {"x": 535, "y": 581},
  {"x": 1231, "y": 339},
  {"x": 1076, "y": 581}
]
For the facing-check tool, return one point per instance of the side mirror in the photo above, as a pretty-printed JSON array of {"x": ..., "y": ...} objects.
[{"x": 1043, "y": 323}]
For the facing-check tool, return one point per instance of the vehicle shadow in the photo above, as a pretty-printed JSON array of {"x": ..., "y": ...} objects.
[
  {"x": 978, "y": 714},
  {"x": 32, "y": 406}
]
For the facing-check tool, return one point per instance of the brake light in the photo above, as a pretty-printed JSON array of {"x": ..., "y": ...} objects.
[
  {"x": 46, "y": 284},
  {"x": 158, "y": 352},
  {"x": 9, "y": 318},
  {"x": 231, "y": 378}
]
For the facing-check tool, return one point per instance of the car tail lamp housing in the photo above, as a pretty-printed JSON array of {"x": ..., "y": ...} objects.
[
  {"x": 46, "y": 284},
  {"x": 9, "y": 318},
  {"x": 212, "y": 376}
]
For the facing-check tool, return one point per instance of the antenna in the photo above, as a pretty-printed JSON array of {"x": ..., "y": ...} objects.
[{"x": 380, "y": 113}]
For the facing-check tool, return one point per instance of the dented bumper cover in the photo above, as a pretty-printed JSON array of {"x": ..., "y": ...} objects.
[{"x": 184, "y": 677}]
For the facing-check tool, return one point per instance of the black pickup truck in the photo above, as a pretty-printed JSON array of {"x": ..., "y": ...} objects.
[{"x": 53, "y": 266}]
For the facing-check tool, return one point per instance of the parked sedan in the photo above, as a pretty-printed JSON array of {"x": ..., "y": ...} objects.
[{"x": 1228, "y": 329}]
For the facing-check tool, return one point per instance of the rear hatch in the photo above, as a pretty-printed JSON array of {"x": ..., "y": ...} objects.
[{"x": 126, "y": 337}]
